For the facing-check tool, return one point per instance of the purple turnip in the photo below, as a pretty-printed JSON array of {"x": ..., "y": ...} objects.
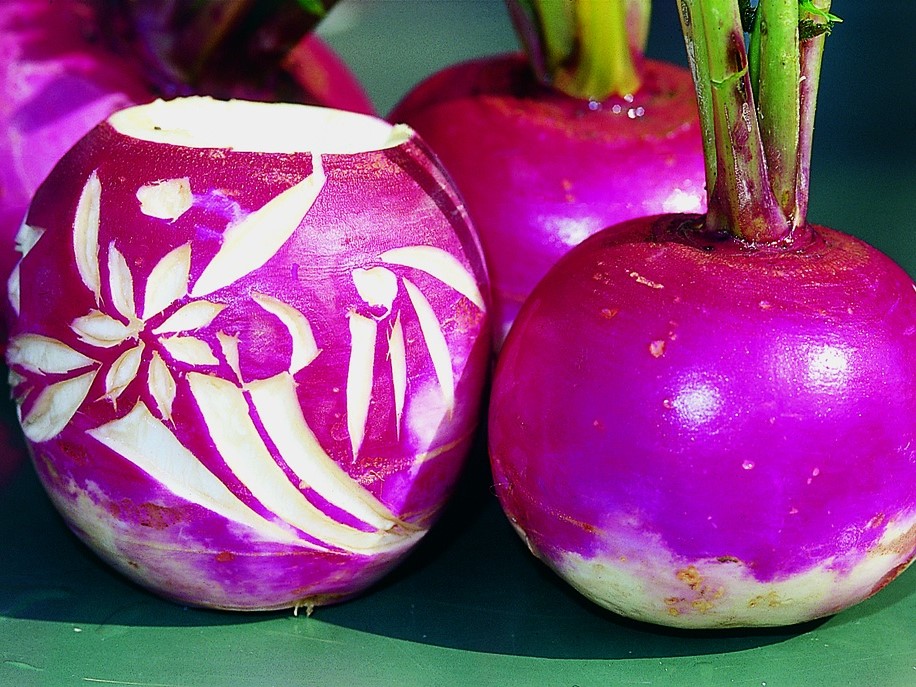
[
  {"x": 708, "y": 420},
  {"x": 249, "y": 347},
  {"x": 65, "y": 66},
  {"x": 546, "y": 150}
]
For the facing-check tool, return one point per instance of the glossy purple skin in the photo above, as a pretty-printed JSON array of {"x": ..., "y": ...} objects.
[
  {"x": 371, "y": 202},
  {"x": 540, "y": 171},
  {"x": 752, "y": 405}
]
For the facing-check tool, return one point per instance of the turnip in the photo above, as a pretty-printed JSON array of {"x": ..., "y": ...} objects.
[
  {"x": 64, "y": 68},
  {"x": 547, "y": 149},
  {"x": 249, "y": 347},
  {"x": 708, "y": 420}
]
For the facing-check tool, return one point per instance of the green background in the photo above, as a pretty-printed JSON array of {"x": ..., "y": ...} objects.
[{"x": 471, "y": 606}]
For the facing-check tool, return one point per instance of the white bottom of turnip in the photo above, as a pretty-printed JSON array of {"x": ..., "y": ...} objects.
[{"x": 645, "y": 581}]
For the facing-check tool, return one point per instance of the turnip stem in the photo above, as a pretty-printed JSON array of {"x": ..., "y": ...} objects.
[
  {"x": 757, "y": 110},
  {"x": 588, "y": 49}
]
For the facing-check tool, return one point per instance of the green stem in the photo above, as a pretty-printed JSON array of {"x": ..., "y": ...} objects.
[
  {"x": 588, "y": 49},
  {"x": 757, "y": 111}
]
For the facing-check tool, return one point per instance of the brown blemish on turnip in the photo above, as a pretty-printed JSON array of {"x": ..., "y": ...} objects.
[
  {"x": 690, "y": 576},
  {"x": 903, "y": 545},
  {"x": 657, "y": 348},
  {"x": 644, "y": 281},
  {"x": 771, "y": 599},
  {"x": 728, "y": 559},
  {"x": 609, "y": 313}
]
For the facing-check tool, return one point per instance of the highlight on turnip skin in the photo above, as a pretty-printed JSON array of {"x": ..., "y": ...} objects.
[
  {"x": 707, "y": 420},
  {"x": 249, "y": 348},
  {"x": 548, "y": 148}
]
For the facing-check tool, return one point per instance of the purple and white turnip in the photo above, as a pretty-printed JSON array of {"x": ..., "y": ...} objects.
[
  {"x": 708, "y": 420},
  {"x": 548, "y": 148},
  {"x": 249, "y": 347}
]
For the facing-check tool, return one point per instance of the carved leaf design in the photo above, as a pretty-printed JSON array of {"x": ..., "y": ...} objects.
[
  {"x": 397, "y": 357},
  {"x": 435, "y": 343},
  {"x": 121, "y": 284},
  {"x": 45, "y": 355},
  {"x": 189, "y": 349},
  {"x": 256, "y": 239},
  {"x": 194, "y": 315},
  {"x": 26, "y": 238},
  {"x": 360, "y": 373},
  {"x": 305, "y": 350},
  {"x": 440, "y": 264},
  {"x": 162, "y": 386},
  {"x": 168, "y": 281},
  {"x": 55, "y": 407},
  {"x": 122, "y": 372},
  {"x": 86, "y": 235},
  {"x": 278, "y": 407},
  {"x": 101, "y": 330}
]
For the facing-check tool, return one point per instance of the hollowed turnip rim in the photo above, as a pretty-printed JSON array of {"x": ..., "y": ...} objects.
[{"x": 248, "y": 126}]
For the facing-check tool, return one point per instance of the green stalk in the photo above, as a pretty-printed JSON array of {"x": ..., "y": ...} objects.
[
  {"x": 588, "y": 49},
  {"x": 756, "y": 108}
]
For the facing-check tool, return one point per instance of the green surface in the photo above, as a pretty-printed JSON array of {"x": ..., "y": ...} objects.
[{"x": 471, "y": 606}]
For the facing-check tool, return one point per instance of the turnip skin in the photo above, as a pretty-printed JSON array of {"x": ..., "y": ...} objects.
[
  {"x": 736, "y": 439},
  {"x": 402, "y": 461},
  {"x": 540, "y": 170}
]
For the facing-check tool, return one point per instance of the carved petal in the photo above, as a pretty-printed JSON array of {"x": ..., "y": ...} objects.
[
  {"x": 257, "y": 238},
  {"x": 101, "y": 330},
  {"x": 189, "y": 349},
  {"x": 121, "y": 282},
  {"x": 150, "y": 445},
  {"x": 86, "y": 235},
  {"x": 442, "y": 265},
  {"x": 194, "y": 315},
  {"x": 360, "y": 375},
  {"x": 162, "y": 386},
  {"x": 26, "y": 238},
  {"x": 45, "y": 355},
  {"x": 55, "y": 407},
  {"x": 435, "y": 342},
  {"x": 122, "y": 372},
  {"x": 305, "y": 350},
  {"x": 229, "y": 346},
  {"x": 168, "y": 281}
]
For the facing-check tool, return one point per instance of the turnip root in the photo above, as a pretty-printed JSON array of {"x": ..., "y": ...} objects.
[
  {"x": 249, "y": 348},
  {"x": 708, "y": 420},
  {"x": 548, "y": 148}
]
